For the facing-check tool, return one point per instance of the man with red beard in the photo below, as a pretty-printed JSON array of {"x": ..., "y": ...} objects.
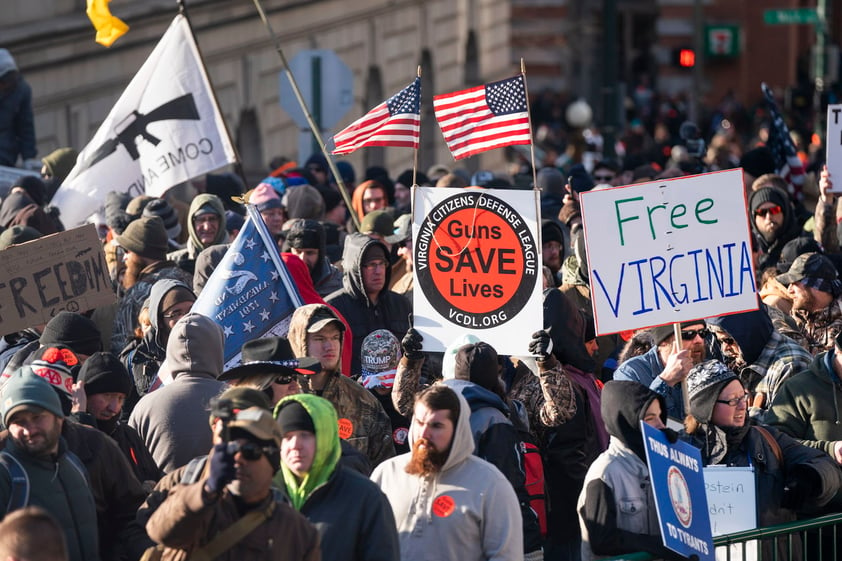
[
  {"x": 145, "y": 241},
  {"x": 448, "y": 503}
]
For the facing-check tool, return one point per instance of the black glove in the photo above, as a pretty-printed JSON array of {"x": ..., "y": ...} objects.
[
  {"x": 222, "y": 470},
  {"x": 802, "y": 484},
  {"x": 411, "y": 344},
  {"x": 541, "y": 344},
  {"x": 671, "y": 435}
]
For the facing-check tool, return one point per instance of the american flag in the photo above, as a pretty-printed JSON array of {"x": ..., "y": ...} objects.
[
  {"x": 484, "y": 117},
  {"x": 395, "y": 122},
  {"x": 787, "y": 163}
]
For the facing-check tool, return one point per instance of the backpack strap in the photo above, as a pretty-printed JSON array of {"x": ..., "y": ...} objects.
[
  {"x": 193, "y": 470},
  {"x": 19, "y": 496},
  {"x": 232, "y": 535},
  {"x": 773, "y": 444}
]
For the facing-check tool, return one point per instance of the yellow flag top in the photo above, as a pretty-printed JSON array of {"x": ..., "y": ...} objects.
[{"x": 108, "y": 28}]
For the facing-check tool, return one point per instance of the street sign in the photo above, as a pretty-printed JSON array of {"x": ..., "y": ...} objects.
[
  {"x": 326, "y": 83},
  {"x": 790, "y": 16}
]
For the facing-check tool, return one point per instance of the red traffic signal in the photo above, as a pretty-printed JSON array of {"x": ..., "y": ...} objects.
[{"x": 686, "y": 58}]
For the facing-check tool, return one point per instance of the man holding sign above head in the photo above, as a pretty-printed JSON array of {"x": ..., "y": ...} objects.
[{"x": 662, "y": 368}]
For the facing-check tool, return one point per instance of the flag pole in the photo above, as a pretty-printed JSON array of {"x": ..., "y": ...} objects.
[
  {"x": 182, "y": 9},
  {"x": 313, "y": 128},
  {"x": 415, "y": 160},
  {"x": 529, "y": 116}
]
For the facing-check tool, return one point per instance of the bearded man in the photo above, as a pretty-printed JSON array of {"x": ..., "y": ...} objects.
[{"x": 448, "y": 503}]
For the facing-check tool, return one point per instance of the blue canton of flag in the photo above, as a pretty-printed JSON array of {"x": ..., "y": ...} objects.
[
  {"x": 250, "y": 293},
  {"x": 506, "y": 96}
]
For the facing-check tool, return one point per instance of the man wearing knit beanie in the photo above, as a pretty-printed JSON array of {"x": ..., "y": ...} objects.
[
  {"x": 146, "y": 242},
  {"x": 773, "y": 223},
  {"x": 106, "y": 384},
  {"x": 55, "y": 479},
  {"x": 74, "y": 330},
  {"x": 306, "y": 239},
  {"x": 662, "y": 368},
  {"x": 553, "y": 247}
]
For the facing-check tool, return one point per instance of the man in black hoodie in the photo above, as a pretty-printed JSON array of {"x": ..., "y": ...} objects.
[{"x": 365, "y": 300}]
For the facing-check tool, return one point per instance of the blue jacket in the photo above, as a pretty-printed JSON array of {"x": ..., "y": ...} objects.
[
  {"x": 17, "y": 126},
  {"x": 646, "y": 369}
]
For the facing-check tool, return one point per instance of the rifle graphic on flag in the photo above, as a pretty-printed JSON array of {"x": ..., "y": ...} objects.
[
  {"x": 168, "y": 122},
  {"x": 250, "y": 293}
]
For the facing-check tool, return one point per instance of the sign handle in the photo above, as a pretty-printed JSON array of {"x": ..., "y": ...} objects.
[{"x": 676, "y": 330}]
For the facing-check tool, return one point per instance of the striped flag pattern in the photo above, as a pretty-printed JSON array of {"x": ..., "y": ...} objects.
[
  {"x": 787, "y": 163},
  {"x": 395, "y": 122},
  {"x": 484, "y": 117}
]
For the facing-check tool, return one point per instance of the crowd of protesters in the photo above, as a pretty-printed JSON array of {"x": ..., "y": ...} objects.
[{"x": 126, "y": 437}]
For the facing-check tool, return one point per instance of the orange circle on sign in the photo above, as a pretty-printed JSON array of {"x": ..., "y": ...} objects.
[
  {"x": 479, "y": 264},
  {"x": 346, "y": 428},
  {"x": 443, "y": 506}
]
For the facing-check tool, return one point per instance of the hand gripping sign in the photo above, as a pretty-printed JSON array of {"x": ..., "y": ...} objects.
[{"x": 477, "y": 265}]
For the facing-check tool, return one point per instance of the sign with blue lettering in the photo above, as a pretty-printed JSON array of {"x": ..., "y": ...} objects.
[
  {"x": 679, "y": 487},
  {"x": 668, "y": 251}
]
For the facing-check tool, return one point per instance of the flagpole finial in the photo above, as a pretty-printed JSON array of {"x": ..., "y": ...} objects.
[
  {"x": 418, "y": 72},
  {"x": 522, "y": 66}
]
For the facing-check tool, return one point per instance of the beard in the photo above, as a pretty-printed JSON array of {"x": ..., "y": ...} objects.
[
  {"x": 425, "y": 460},
  {"x": 734, "y": 363},
  {"x": 134, "y": 266}
]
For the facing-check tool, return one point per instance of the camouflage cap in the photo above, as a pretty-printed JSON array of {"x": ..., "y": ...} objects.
[{"x": 812, "y": 266}]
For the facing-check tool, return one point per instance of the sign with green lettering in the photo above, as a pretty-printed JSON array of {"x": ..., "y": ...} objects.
[
  {"x": 668, "y": 251},
  {"x": 64, "y": 271},
  {"x": 790, "y": 16}
]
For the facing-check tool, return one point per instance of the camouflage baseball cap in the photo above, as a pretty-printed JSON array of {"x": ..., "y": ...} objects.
[
  {"x": 811, "y": 266},
  {"x": 380, "y": 353}
]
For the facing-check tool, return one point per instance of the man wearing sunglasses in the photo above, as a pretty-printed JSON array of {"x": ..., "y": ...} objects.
[
  {"x": 662, "y": 368},
  {"x": 773, "y": 223},
  {"x": 237, "y": 485}
]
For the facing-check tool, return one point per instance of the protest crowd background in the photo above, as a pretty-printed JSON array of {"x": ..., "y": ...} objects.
[{"x": 335, "y": 434}]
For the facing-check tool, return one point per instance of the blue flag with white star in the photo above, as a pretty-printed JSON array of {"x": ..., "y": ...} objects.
[{"x": 250, "y": 293}]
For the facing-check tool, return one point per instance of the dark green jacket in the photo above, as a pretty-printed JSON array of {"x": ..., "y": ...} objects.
[
  {"x": 807, "y": 405},
  {"x": 62, "y": 489}
]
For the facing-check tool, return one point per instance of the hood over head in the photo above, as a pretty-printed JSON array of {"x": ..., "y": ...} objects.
[
  {"x": 624, "y": 404},
  {"x": 207, "y": 203},
  {"x": 328, "y": 449},
  {"x": 751, "y": 330},
  {"x": 156, "y": 300},
  {"x": 462, "y": 445},
  {"x": 311, "y": 317},
  {"x": 356, "y": 246},
  {"x": 195, "y": 347}
]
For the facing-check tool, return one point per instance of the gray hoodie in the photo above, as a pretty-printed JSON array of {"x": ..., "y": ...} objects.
[{"x": 173, "y": 420}]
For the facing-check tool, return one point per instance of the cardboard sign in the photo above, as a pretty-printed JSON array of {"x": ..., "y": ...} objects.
[
  {"x": 64, "y": 271},
  {"x": 834, "y": 146},
  {"x": 678, "y": 485},
  {"x": 477, "y": 266},
  {"x": 732, "y": 506},
  {"x": 668, "y": 251}
]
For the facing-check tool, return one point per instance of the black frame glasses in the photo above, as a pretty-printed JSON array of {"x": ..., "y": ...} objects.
[
  {"x": 250, "y": 450},
  {"x": 690, "y": 334},
  {"x": 284, "y": 379},
  {"x": 733, "y": 402}
]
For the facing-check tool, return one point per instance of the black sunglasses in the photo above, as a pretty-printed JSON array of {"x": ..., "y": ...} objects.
[
  {"x": 251, "y": 451},
  {"x": 284, "y": 379},
  {"x": 690, "y": 334}
]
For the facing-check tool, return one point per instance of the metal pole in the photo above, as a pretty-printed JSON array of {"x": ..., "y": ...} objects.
[
  {"x": 819, "y": 68},
  {"x": 611, "y": 125}
]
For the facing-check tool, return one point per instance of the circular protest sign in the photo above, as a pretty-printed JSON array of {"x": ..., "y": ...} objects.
[{"x": 476, "y": 260}]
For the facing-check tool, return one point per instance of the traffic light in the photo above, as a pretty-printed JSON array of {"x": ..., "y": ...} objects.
[{"x": 684, "y": 57}]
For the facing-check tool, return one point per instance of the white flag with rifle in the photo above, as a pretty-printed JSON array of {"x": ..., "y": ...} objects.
[{"x": 165, "y": 129}]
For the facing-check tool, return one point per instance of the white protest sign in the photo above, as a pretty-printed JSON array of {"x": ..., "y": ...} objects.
[
  {"x": 833, "y": 140},
  {"x": 477, "y": 266},
  {"x": 668, "y": 251},
  {"x": 733, "y": 507}
]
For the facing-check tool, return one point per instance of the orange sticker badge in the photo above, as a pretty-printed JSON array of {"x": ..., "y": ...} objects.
[
  {"x": 476, "y": 260},
  {"x": 346, "y": 428},
  {"x": 443, "y": 506}
]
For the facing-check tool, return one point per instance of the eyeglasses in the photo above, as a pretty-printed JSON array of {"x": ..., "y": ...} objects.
[
  {"x": 251, "y": 451},
  {"x": 175, "y": 314},
  {"x": 284, "y": 379},
  {"x": 604, "y": 178},
  {"x": 374, "y": 201},
  {"x": 772, "y": 210},
  {"x": 690, "y": 334},
  {"x": 726, "y": 341},
  {"x": 374, "y": 265},
  {"x": 735, "y": 401}
]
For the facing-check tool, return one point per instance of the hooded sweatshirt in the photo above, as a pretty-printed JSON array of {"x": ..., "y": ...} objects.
[
  {"x": 368, "y": 425},
  {"x": 770, "y": 249},
  {"x": 617, "y": 512},
  {"x": 186, "y": 258},
  {"x": 466, "y": 511},
  {"x": 352, "y": 516},
  {"x": 173, "y": 420},
  {"x": 391, "y": 311}
]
